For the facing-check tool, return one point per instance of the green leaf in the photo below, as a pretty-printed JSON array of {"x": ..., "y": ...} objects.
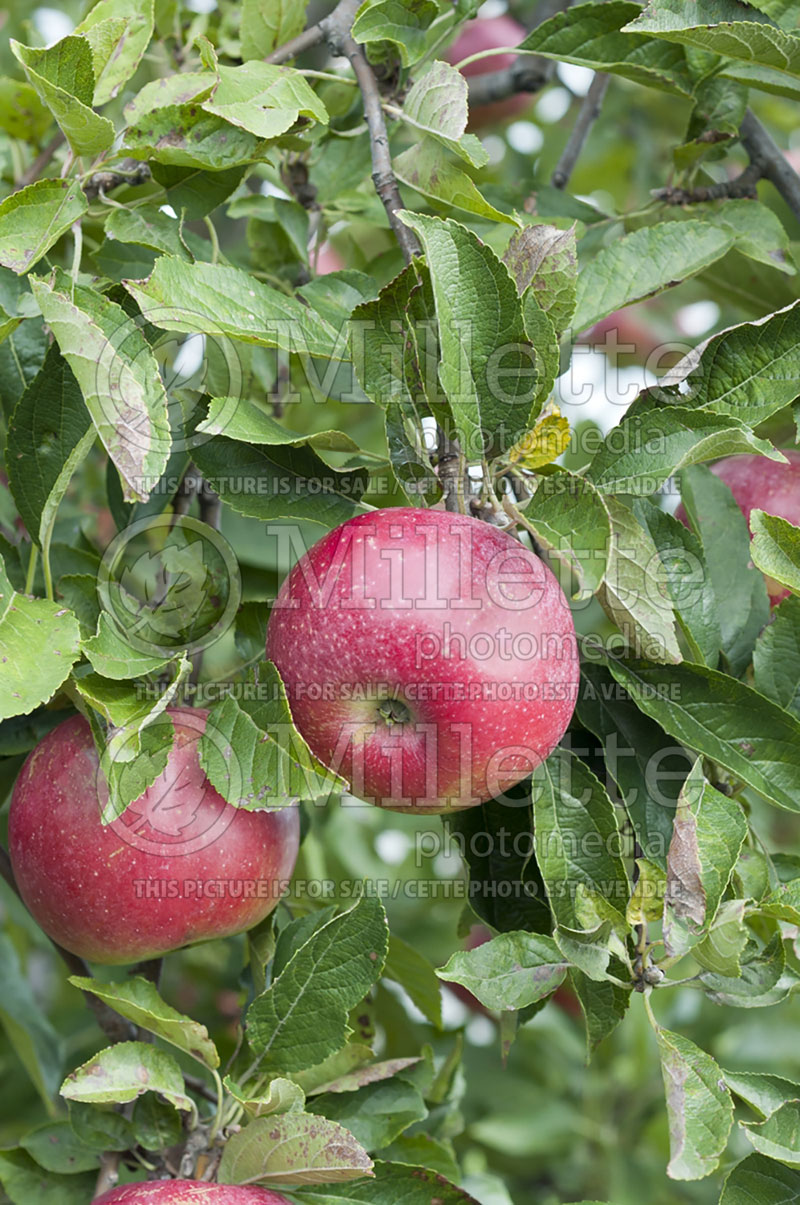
[
  {"x": 648, "y": 772},
  {"x": 776, "y": 548},
  {"x": 293, "y": 1149},
  {"x": 155, "y": 1124},
  {"x": 196, "y": 191},
  {"x": 406, "y": 966},
  {"x": 749, "y": 371},
  {"x": 147, "y": 226},
  {"x": 188, "y": 136},
  {"x": 269, "y": 23},
  {"x": 592, "y": 36},
  {"x": 603, "y": 1004},
  {"x": 699, "y": 1107},
  {"x": 741, "y": 594},
  {"x": 779, "y": 1136},
  {"x": 138, "y": 1000},
  {"x": 425, "y": 168},
  {"x": 272, "y": 766},
  {"x": 688, "y": 580},
  {"x": 708, "y": 836},
  {"x": 783, "y": 903},
  {"x": 394, "y": 348},
  {"x": 373, "y": 1073},
  {"x": 726, "y": 941},
  {"x": 572, "y": 520},
  {"x": 26, "y": 1183},
  {"x": 116, "y": 57},
  {"x": 56, "y": 1148},
  {"x": 764, "y": 1093},
  {"x": 511, "y": 971},
  {"x": 217, "y": 300},
  {"x": 34, "y": 218},
  {"x": 635, "y": 593},
  {"x": 120, "y": 1073},
  {"x": 63, "y": 76},
  {"x": 22, "y": 354},
  {"x": 274, "y": 483},
  {"x": 376, "y": 1114},
  {"x": 764, "y": 979},
  {"x": 757, "y": 231},
  {"x": 402, "y": 23},
  {"x": 22, "y": 114},
  {"x": 719, "y": 107},
  {"x": 644, "y": 263},
  {"x": 264, "y": 99},
  {"x": 762, "y": 1180},
  {"x": 38, "y": 648},
  {"x": 496, "y": 841},
  {"x": 776, "y": 657},
  {"x": 487, "y": 367},
  {"x": 118, "y": 375},
  {"x": 652, "y": 443},
  {"x": 544, "y": 260},
  {"x": 647, "y": 898},
  {"x": 29, "y": 1032},
  {"x": 302, "y": 1016},
  {"x": 394, "y": 1183},
  {"x": 103, "y": 1128},
  {"x": 246, "y": 420},
  {"x": 437, "y": 105},
  {"x": 50, "y": 434},
  {"x": 723, "y": 27},
  {"x": 722, "y": 719},
  {"x": 578, "y": 843},
  {"x": 168, "y": 92},
  {"x": 114, "y": 658},
  {"x": 280, "y": 1096}
]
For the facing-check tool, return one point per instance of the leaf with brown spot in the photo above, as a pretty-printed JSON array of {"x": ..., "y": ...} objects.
[{"x": 293, "y": 1148}]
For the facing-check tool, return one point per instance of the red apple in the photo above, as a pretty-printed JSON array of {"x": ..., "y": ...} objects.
[
  {"x": 180, "y": 865},
  {"x": 189, "y": 1192},
  {"x": 761, "y": 484},
  {"x": 428, "y": 657},
  {"x": 485, "y": 33}
]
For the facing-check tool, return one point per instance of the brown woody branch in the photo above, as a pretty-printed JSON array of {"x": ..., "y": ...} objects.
[
  {"x": 743, "y": 185},
  {"x": 331, "y": 29},
  {"x": 587, "y": 116},
  {"x": 383, "y": 175},
  {"x": 767, "y": 156}
]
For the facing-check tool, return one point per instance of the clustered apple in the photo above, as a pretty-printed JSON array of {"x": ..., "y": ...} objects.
[
  {"x": 485, "y": 33},
  {"x": 179, "y": 865},
  {"x": 758, "y": 483},
  {"x": 428, "y": 657},
  {"x": 189, "y": 1192}
]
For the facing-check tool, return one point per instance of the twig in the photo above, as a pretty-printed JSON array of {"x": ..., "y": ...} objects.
[
  {"x": 765, "y": 154},
  {"x": 451, "y": 473},
  {"x": 105, "y": 181},
  {"x": 383, "y": 176},
  {"x": 210, "y": 513},
  {"x": 115, "y": 1027},
  {"x": 589, "y": 112},
  {"x": 41, "y": 161},
  {"x": 333, "y": 27},
  {"x": 525, "y": 75},
  {"x": 743, "y": 185},
  {"x": 200, "y": 1087},
  {"x": 109, "y": 1173}
]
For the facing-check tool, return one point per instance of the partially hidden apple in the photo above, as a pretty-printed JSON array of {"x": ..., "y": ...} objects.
[
  {"x": 429, "y": 658},
  {"x": 486, "y": 33},
  {"x": 189, "y": 1192},
  {"x": 758, "y": 483},
  {"x": 180, "y": 864}
]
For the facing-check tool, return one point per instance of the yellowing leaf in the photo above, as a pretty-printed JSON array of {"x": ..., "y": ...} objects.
[{"x": 544, "y": 443}]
